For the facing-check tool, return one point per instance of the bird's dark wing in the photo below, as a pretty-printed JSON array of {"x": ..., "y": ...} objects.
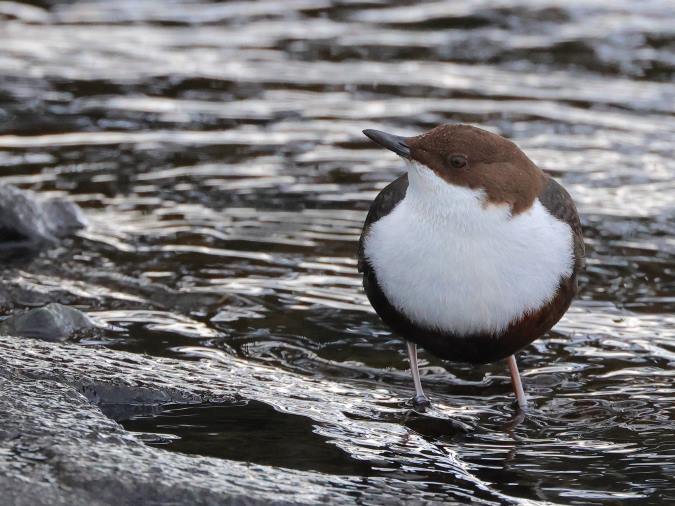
[
  {"x": 559, "y": 203},
  {"x": 383, "y": 204}
]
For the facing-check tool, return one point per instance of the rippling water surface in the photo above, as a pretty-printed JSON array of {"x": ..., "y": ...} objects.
[{"x": 217, "y": 153}]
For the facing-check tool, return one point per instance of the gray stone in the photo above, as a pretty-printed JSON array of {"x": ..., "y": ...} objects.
[
  {"x": 58, "y": 449},
  {"x": 53, "y": 322},
  {"x": 5, "y": 302},
  {"x": 27, "y": 219},
  {"x": 57, "y": 446}
]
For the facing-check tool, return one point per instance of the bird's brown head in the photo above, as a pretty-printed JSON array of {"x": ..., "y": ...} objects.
[{"x": 467, "y": 156}]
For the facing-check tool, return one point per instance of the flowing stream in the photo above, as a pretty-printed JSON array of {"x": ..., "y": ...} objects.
[{"x": 216, "y": 150}]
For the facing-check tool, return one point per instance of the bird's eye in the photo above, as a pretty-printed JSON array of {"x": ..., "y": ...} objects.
[{"x": 457, "y": 161}]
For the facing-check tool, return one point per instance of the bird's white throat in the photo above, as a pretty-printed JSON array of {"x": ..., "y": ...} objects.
[{"x": 450, "y": 262}]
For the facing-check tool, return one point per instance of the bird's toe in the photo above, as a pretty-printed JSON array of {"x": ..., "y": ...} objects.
[{"x": 421, "y": 402}]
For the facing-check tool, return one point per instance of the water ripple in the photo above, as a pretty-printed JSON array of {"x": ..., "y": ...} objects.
[{"x": 216, "y": 149}]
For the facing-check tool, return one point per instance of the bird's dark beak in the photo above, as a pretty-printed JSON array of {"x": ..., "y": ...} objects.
[{"x": 394, "y": 143}]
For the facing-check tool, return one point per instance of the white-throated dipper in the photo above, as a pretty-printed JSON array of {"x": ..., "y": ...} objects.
[{"x": 474, "y": 253}]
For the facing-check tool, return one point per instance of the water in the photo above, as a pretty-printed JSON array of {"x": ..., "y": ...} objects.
[{"x": 216, "y": 150}]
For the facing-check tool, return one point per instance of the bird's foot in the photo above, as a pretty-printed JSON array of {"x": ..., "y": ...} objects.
[{"x": 421, "y": 403}]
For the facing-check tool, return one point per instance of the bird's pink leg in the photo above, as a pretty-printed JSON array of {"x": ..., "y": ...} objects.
[
  {"x": 420, "y": 400},
  {"x": 517, "y": 384}
]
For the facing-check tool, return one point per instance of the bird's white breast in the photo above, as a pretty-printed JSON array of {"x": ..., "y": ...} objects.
[{"x": 450, "y": 262}]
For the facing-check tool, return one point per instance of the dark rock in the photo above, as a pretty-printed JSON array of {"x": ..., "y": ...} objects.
[
  {"x": 58, "y": 448},
  {"x": 53, "y": 322},
  {"x": 5, "y": 302},
  {"x": 28, "y": 220},
  {"x": 62, "y": 449}
]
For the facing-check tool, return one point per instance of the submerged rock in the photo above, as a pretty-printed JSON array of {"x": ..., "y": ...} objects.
[
  {"x": 29, "y": 220},
  {"x": 52, "y": 427},
  {"x": 59, "y": 448},
  {"x": 53, "y": 322}
]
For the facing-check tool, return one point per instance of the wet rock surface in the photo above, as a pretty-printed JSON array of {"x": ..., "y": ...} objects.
[
  {"x": 29, "y": 220},
  {"x": 53, "y": 322},
  {"x": 4, "y": 300},
  {"x": 58, "y": 448}
]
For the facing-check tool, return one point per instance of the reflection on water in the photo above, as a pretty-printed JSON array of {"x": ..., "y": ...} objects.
[
  {"x": 248, "y": 431},
  {"x": 216, "y": 150}
]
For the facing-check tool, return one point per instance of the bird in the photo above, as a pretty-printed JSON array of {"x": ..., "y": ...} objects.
[{"x": 473, "y": 253}]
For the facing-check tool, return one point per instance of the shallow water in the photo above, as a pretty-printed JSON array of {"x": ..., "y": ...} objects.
[{"x": 216, "y": 150}]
